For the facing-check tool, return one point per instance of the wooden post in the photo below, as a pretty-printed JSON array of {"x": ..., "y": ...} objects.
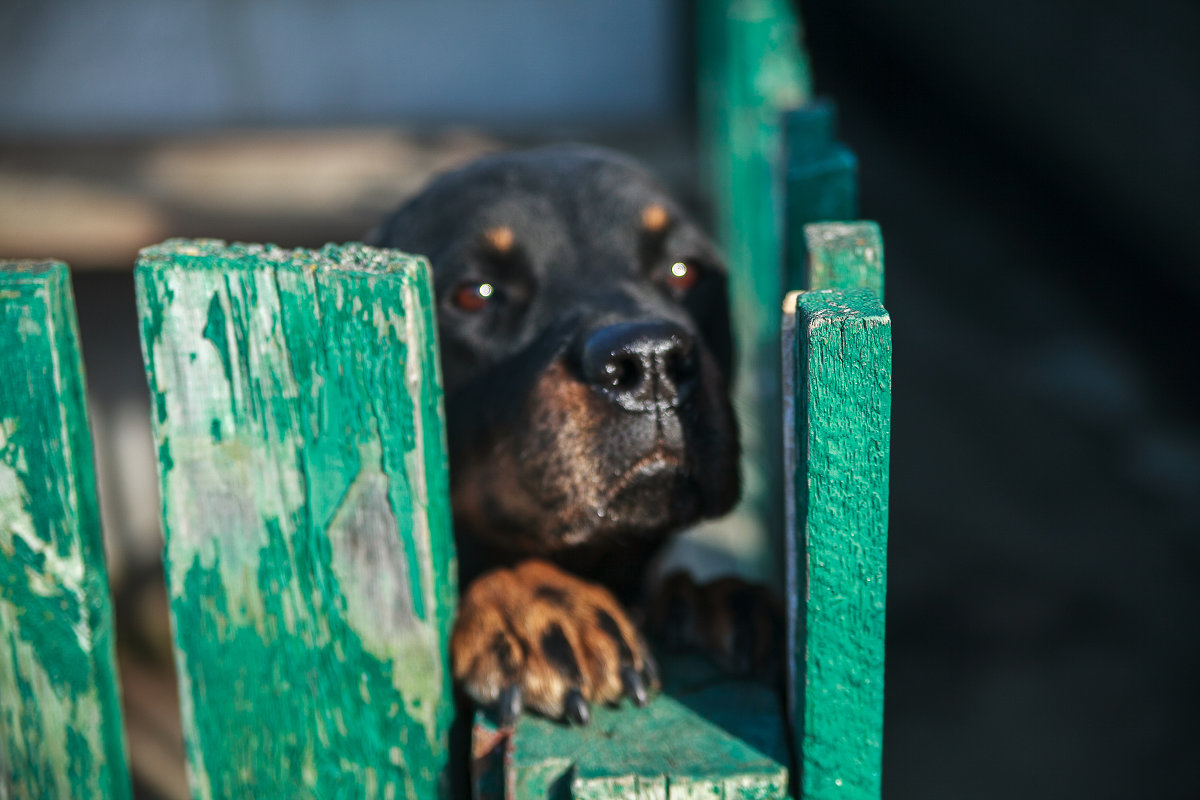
[
  {"x": 708, "y": 735},
  {"x": 60, "y": 718},
  {"x": 821, "y": 182},
  {"x": 845, "y": 255},
  {"x": 837, "y": 364},
  {"x": 751, "y": 68},
  {"x": 298, "y": 417}
]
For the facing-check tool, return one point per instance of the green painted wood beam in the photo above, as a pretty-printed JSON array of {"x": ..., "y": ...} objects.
[
  {"x": 751, "y": 68},
  {"x": 60, "y": 718},
  {"x": 837, "y": 365},
  {"x": 706, "y": 736},
  {"x": 821, "y": 182},
  {"x": 844, "y": 255},
  {"x": 298, "y": 418}
]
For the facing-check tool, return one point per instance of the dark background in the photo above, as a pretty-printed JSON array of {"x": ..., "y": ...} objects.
[{"x": 1035, "y": 168}]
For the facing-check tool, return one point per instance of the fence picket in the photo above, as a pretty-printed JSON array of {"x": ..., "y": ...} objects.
[
  {"x": 837, "y": 378},
  {"x": 60, "y": 718},
  {"x": 298, "y": 417}
]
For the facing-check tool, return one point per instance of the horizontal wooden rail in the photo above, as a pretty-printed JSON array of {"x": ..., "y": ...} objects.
[
  {"x": 309, "y": 559},
  {"x": 707, "y": 735},
  {"x": 60, "y": 719}
]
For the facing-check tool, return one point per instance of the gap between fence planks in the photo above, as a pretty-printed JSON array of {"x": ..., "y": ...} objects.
[
  {"x": 60, "y": 719},
  {"x": 298, "y": 418},
  {"x": 837, "y": 378}
]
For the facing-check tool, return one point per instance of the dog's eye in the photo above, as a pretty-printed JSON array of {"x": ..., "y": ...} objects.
[
  {"x": 682, "y": 275},
  {"x": 472, "y": 296}
]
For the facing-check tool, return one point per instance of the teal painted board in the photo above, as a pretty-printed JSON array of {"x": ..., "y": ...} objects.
[
  {"x": 60, "y": 716},
  {"x": 298, "y": 417},
  {"x": 844, "y": 255},
  {"x": 707, "y": 735},
  {"x": 751, "y": 68},
  {"x": 821, "y": 182},
  {"x": 837, "y": 364}
]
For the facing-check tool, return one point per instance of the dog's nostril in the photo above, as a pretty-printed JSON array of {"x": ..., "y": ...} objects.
[
  {"x": 682, "y": 364},
  {"x": 621, "y": 373}
]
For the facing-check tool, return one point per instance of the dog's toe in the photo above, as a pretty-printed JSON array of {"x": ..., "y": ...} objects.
[{"x": 536, "y": 638}]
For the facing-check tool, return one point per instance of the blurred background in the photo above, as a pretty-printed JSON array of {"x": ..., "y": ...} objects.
[{"x": 1035, "y": 168}]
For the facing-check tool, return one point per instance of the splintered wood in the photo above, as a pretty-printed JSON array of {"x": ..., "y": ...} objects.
[{"x": 310, "y": 565}]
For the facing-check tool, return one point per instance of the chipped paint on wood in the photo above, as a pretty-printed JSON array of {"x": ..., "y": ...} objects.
[
  {"x": 706, "y": 736},
  {"x": 845, "y": 255},
  {"x": 60, "y": 720},
  {"x": 838, "y": 380},
  {"x": 298, "y": 417}
]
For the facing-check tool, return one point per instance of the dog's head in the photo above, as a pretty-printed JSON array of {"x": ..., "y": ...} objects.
[{"x": 586, "y": 347}]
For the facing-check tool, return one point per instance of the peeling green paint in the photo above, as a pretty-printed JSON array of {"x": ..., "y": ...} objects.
[
  {"x": 837, "y": 364},
  {"x": 60, "y": 721},
  {"x": 309, "y": 555}
]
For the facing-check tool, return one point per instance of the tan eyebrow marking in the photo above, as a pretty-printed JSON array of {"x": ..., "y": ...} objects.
[
  {"x": 655, "y": 218},
  {"x": 500, "y": 238}
]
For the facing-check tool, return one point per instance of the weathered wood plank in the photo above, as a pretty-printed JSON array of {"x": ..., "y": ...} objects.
[
  {"x": 837, "y": 363},
  {"x": 821, "y": 183},
  {"x": 298, "y": 417},
  {"x": 706, "y": 736},
  {"x": 751, "y": 68},
  {"x": 845, "y": 255},
  {"x": 60, "y": 719}
]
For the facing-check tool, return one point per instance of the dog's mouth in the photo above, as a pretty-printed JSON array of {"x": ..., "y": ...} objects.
[{"x": 652, "y": 494}]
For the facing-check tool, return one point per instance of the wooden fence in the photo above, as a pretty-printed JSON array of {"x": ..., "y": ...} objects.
[{"x": 298, "y": 418}]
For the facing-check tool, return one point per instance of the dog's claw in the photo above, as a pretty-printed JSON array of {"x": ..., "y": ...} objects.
[
  {"x": 576, "y": 708},
  {"x": 635, "y": 687},
  {"x": 509, "y": 705},
  {"x": 650, "y": 670}
]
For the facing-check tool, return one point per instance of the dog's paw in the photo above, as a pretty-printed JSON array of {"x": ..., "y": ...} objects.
[
  {"x": 535, "y": 637},
  {"x": 739, "y": 624}
]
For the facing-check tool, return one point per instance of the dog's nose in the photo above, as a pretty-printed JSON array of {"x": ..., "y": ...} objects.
[{"x": 641, "y": 365}]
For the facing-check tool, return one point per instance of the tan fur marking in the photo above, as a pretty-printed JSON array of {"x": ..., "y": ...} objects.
[
  {"x": 655, "y": 218},
  {"x": 500, "y": 238}
]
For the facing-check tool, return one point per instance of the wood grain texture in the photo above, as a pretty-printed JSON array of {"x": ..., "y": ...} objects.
[
  {"x": 838, "y": 381},
  {"x": 845, "y": 255},
  {"x": 60, "y": 719},
  {"x": 298, "y": 417},
  {"x": 706, "y": 736},
  {"x": 751, "y": 68},
  {"x": 821, "y": 183}
]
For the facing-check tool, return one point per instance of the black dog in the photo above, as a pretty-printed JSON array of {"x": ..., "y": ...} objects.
[{"x": 586, "y": 350}]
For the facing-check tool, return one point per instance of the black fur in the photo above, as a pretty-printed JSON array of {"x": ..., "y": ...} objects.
[{"x": 559, "y": 448}]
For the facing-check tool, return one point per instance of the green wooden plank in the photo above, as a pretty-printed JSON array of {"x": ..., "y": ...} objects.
[
  {"x": 845, "y": 255},
  {"x": 752, "y": 67},
  {"x": 837, "y": 363},
  {"x": 821, "y": 182},
  {"x": 60, "y": 718},
  {"x": 299, "y": 423},
  {"x": 706, "y": 736}
]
